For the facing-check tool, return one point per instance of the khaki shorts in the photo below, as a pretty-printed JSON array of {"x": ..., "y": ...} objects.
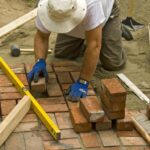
[{"x": 112, "y": 56}]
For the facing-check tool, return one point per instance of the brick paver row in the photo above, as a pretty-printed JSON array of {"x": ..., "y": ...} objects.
[{"x": 31, "y": 134}]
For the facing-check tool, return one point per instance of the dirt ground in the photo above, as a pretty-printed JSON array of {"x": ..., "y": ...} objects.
[{"x": 138, "y": 50}]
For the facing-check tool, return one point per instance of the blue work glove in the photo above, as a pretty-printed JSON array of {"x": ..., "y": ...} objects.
[
  {"x": 77, "y": 90},
  {"x": 38, "y": 69}
]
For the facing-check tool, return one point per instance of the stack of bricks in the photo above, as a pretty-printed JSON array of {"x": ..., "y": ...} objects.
[{"x": 113, "y": 98}]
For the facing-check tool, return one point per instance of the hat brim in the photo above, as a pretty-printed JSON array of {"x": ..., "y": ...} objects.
[{"x": 61, "y": 26}]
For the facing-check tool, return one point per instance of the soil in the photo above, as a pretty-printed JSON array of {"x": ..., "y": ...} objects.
[{"x": 138, "y": 50}]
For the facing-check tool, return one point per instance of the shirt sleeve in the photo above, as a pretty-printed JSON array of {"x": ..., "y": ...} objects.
[
  {"x": 95, "y": 16},
  {"x": 40, "y": 26}
]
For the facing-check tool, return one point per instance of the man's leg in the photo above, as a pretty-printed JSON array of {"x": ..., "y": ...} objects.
[
  {"x": 68, "y": 47},
  {"x": 112, "y": 55}
]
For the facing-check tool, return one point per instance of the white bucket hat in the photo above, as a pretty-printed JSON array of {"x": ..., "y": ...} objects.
[{"x": 61, "y": 16}]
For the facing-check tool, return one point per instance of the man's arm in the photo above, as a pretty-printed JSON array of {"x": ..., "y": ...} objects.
[
  {"x": 41, "y": 44},
  {"x": 91, "y": 56}
]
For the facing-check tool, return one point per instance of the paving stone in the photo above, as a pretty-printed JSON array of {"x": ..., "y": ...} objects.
[
  {"x": 132, "y": 141},
  {"x": 45, "y": 135},
  {"x": 125, "y": 124},
  {"x": 68, "y": 134},
  {"x": 109, "y": 138},
  {"x": 132, "y": 133},
  {"x": 80, "y": 123},
  {"x": 16, "y": 68},
  {"x": 75, "y": 75},
  {"x": 65, "y": 86},
  {"x": 90, "y": 140},
  {"x": 51, "y": 76},
  {"x": 15, "y": 142},
  {"x": 23, "y": 79},
  {"x": 63, "y": 120},
  {"x": 30, "y": 118},
  {"x": 4, "y": 80},
  {"x": 62, "y": 144},
  {"x": 53, "y": 104},
  {"x": 2, "y": 147},
  {"x": 64, "y": 77},
  {"x": 64, "y": 63},
  {"x": 33, "y": 142},
  {"x": 133, "y": 148},
  {"x": 10, "y": 89},
  {"x": 7, "y": 106},
  {"x": 54, "y": 90},
  {"x": 39, "y": 86},
  {"x": 106, "y": 124},
  {"x": 91, "y": 109},
  {"x": 106, "y": 148},
  {"x": 27, "y": 127},
  {"x": 67, "y": 69},
  {"x": 10, "y": 96}
]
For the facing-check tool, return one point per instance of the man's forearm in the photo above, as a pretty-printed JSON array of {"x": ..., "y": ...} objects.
[
  {"x": 91, "y": 58},
  {"x": 41, "y": 45}
]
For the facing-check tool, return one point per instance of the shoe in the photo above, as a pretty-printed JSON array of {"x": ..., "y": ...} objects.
[
  {"x": 126, "y": 34},
  {"x": 132, "y": 24}
]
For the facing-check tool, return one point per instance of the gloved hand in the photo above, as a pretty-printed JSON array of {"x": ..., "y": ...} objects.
[
  {"x": 77, "y": 90},
  {"x": 38, "y": 69}
]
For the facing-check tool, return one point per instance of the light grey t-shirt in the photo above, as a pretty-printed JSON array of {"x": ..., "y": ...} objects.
[{"x": 98, "y": 12}]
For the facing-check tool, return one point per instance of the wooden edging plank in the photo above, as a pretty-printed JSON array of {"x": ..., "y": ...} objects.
[
  {"x": 18, "y": 22},
  {"x": 13, "y": 118}
]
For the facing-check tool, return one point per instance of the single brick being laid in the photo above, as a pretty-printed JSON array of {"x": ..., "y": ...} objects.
[
  {"x": 91, "y": 108},
  {"x": 39, "y": 86},
  {"x": 80, "y": 123},
  {"x": 125, "y": 124}
]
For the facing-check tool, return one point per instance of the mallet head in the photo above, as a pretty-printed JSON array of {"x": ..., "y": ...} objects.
[{"x": 15, "y": 50}]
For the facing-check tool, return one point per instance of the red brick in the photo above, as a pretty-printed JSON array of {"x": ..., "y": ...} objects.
[
  {"x": 63, "y": 120},
  {"x": 91, "y": 108},
  {"x": 113, "y": 87},
  {"x": 67, "y": 69},
  {"x": 64, "y": 63},
  {"x": 64, "y": 77},
  {"x": 7, "y": 106},
  {"x": 148, "y": 111},
  {"x": 33, "y": 141},
  {"x": 90, "y": 140},
  {"x": 125, "y": 124},
  {"x": 10, "y": 96},
  {"x": 52, "y": 81},
  {"x": 39, "y": 86},
  {"x": 10, "y": 89},
  {"x": 71, "y": 104},
  {"x": 113, "y": 115},
  {"x": 68, "y": 134},
  {"x": 65, "y": 86},
  {"x": 132, "y": 141},
  {"x": 27, "y": 127},
  {"x": 15, "y": 142},
  {"x": 113, "y": 105},
  {"x": 62, "y": 144},
  {"x": 53, "y": 104},
  {"x": 54, "y": 90},
  {"x": 106, "y": 124},
  {"x": 80, "y": 123},
  {"x": 133, "y": 148}
]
